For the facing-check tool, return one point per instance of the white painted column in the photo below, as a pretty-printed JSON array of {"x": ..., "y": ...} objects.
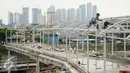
[
  {"x": 77, "y": 49},
  {"x": 48, "y": 38},
  {"x": 69, "y": 56},
  {"x": 112, "y": 46},
  {"x": 87, "y": 52},
  {"x": 43, "y": 37},
  {"x": 8, "y": 58},
  {"x": 124, "y": 45},
  {"x": 66, "y": 46},
  {"x": 96, "y": 44},
  {"x": 40, "y": 37},
  {"x": 24, "y": 37},
  {"x": 33, "y": 36},
  {"x": 37, "y": 67},
  {"x": 53, "y": 41},
  {"x": 82, "y": 48},
  {"x": 17, "y": 37},
  {"x": 104, "y": 53},
  {"x": 10, "y": 36}
]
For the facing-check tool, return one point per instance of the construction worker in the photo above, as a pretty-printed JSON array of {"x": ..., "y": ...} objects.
[{"x": 94, "y": 21}]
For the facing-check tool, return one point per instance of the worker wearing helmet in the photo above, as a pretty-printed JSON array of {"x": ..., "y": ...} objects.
[{"x": 94, "y": 21}]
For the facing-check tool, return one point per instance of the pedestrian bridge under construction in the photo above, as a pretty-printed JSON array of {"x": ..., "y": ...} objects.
[{"x": 75, "y": 57}]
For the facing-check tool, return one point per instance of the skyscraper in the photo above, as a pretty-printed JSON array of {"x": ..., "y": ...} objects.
[
  {"x": 89, "y": 11},
  {"x": 83, "y": 12},
  {"x": 63, "y": 14},
  {"x": 17, "y": 18},
  {"x": 94, "y": 10},
  {"x": 71, "y": 14},
  {"x": 78, "y": 15},
  {"x": 25, "y": 15},
  {"x": 42, "y": 20},
  {"x": 10, "y": 19},
  {"x": 51, "y": 14},
  {"x": 36, "y": 15},
  {"x": 58, "y": 14}
]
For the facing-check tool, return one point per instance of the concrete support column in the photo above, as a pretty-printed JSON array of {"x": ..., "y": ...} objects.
[
  {"x": 69, "y": 49},
  {"x": 10, "y": 36},
  {"x": 105, "y": 54},
  {"x": 87, "y": 52},
  {"x": 48, "y": 38},
  {"x": 82, "y": 48},
  {"x": 96, "y": 44},
  {"x": 33, "y": 36},
  {"x": 66, "y": 45},
  {"x": 37, "y": 67},
  {"x": 17, "y": 37},
  {"x": 9, "y": 57},
  {"x": 24, "y": 37},
  {"x": 40, "y": 37},
  {"x": 124, "y": 45},
  {"x": 53, "y": 41},
  {"x": 112, "y": 46},
  {"x": 77, "y": 49}
]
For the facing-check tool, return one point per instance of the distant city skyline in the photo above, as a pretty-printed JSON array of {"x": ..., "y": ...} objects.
[
  {"x": 82, "y": 13},
  {"x": 107, "y": 8}
]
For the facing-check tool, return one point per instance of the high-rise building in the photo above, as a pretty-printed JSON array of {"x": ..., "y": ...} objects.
[
  {"x": 36, "y": 15},
  {"x": 42, "y": 20},
  {"x": 63, "y": 14},
  {"x": 94, "y": 10},
  {"x": 71, "y": 14},
  {"x": 51, "y": 14},
  {"x": 89, "y": 11},
  {"x": 83, "y": 12},
  {"x": 25, "y": 15},
  {"x": 51, "y": 8},
  {"x": 17, "y": 18},
  {"x": 78, "y": 15},
  {"x": 10, "y": 19},
  {"x": 58, "y": 14}
]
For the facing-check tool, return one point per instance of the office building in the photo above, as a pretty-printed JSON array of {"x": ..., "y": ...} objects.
[
  {"x": 89, "y": 11},
  {"x": 17, "y": 18},
  {"x": 36, "y": 16},
  {"x": 10, "y": 19},
  {"x": 58, "y": 14},
  {"x": 51, "y": 14},
  {"x": 25, "y": 15},
  {"x": 78, "y": 15},
  {"x": 94, "y": 10},
  {"x": 83, "y": 12},
  {"x": 63, "y": 14},
  {"x": 71, "y": 14}
]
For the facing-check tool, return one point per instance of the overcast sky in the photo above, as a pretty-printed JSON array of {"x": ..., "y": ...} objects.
[{"x": 107, "y": 8}]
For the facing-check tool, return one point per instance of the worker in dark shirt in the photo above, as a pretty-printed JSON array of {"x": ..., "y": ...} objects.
[
  {"x": 106, "y": 23},
  {"x": 94, "y": 21}
]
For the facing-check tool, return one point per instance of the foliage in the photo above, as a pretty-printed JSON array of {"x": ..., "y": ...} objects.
[{"x": 3, "y": 34}]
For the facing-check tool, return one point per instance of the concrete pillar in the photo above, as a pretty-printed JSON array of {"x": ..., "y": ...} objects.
[
  {"x": 112, "y": 45},
  {"x": 105, "y": 54},
  {"x": 37, "y": 67},
  {"x": 87, "y": 52},
  {"x": 40, "y": 37},
  {"x": 124, "y": 45},
  {"x": 33, "y": 36},
  {"x": 9, "y": 57}
]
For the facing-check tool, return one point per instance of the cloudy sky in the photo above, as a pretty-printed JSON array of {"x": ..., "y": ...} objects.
[{"x": 107, "y": 8}]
